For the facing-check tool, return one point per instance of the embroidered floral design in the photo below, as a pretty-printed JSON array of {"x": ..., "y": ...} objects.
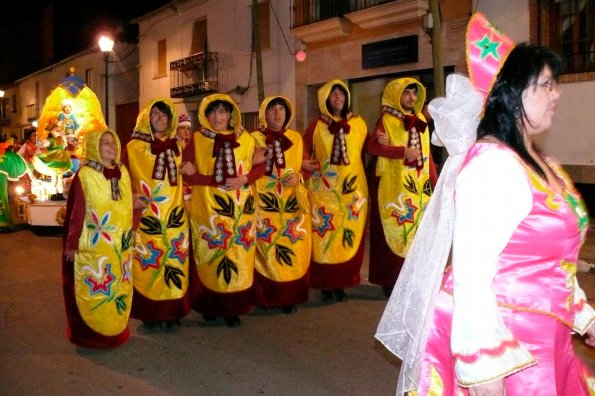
[
  {"x": 355, "y": 207},
  {"x": 153, "y": 197},
  {"x": 151, "y": 257},
  {"x": 101, "y": 279},
  {"x": 179, "y": 248},
  {"x": 265, "y": 230},
  {"x": 324, "y": 177},
  {"x": 322, "y": 222},
  {"x": 244, "y": 236},
  {"x": 404, "y": 212},
  {"x": 216, "y": 236},
  {"x": 293, "y": 231},
  {"x": 126, "y": 269},
  {"x": 101, "y": 228}
]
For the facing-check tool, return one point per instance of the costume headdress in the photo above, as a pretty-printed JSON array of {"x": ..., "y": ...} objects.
[
  {"x": 405, "y": 323},
  {"x": 486, "y": 49}
]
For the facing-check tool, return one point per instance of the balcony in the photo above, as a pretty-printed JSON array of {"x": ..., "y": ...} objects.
[
  {"x": 320, "y": 20},
  {"x": 194, "y": 75}
]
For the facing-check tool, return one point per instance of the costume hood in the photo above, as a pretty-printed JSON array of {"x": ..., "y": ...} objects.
[
  {"x": 92, "y": 145},
  {"x": 394, "y": 90},
  {"x": 236, "y": 116},
  {"x": 143, "y": 123},
  {"x": 325, "y": 91},
  {"x": 263, "y": 108}
]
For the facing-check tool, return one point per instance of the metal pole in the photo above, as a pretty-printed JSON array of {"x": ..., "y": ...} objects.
[
  {"x": 257, "y": 49},
  {"x": 437, "y": 49},
  {"x": 106, "y": 57}
]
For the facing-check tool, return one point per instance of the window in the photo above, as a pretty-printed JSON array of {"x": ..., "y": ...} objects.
[
  {"x": 161, "y": 70},
  {"x": 88, "y": 79},
  {"x": 567, "y": 27},
  {"x": 199, "y": 37},
  {"x": 250, "y": 121},
  {"x": 264, "y": 22}
]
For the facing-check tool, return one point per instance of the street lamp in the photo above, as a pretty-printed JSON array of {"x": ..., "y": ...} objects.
[{"x": 106, "y": 44}]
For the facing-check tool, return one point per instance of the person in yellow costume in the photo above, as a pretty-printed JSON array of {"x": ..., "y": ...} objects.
[
  {"x": 161, "y": 266},
  {"x": 218, "y": 166},
  {"x": 404, "y": 179},
  {"x": 97, "y": 247},
  {"x": 283, "y": 228},
  {"x": 338, "y": 192}
]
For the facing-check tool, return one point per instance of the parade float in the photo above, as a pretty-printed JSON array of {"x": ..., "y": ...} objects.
[{"x": 70, "y": 111}]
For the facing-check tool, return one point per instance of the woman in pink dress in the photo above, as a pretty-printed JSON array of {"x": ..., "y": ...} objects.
[{"x": 499, "y": 321}]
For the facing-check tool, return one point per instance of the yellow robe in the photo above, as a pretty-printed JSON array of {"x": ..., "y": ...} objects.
[
  {"x": 283, "y": 218},
  {"x": 223, "y": 223},
  {"x": 102, "y": 264}
]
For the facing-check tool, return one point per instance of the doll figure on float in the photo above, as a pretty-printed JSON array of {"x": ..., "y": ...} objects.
[
  {"x": 70, "y": 127},
  {"x": 54, "y": 160}
]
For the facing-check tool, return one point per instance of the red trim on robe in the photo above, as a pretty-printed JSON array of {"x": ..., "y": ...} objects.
[{"x": 271, "y": 294}]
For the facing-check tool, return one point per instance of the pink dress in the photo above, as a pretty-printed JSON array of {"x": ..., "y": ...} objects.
[{"x": 520, "y": 327}]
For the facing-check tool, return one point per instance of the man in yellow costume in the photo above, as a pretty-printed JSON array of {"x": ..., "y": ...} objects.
[
  {"x": 218, "y": 166},
  {"x": 405, "y": 176},
  {"x": 338, "y": 192},
  {"x": 161, "y": 265},
  {"x": 282, "y": 212},
  {"x": 96, "y": 265}
]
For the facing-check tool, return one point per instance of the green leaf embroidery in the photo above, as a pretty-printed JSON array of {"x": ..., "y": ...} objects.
[
  {"x": 270, "y": 203},
  {"x": 151, "y": 225},
  {"x": 348, "y": 236},
  {"x": 173, "y": 275},
  {"x": 283, "y": 254},
  {"x": 226, "y": 266},
  {"x": 226, "y": 206},
  {"x": 349, "y": 185},
  {"x": 176, "y": 218}
]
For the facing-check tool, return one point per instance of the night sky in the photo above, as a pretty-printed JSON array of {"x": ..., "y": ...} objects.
[{"x": 25, "y": 31}]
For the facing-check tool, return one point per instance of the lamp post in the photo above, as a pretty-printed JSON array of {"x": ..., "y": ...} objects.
[{"x": 106, "y": 44}]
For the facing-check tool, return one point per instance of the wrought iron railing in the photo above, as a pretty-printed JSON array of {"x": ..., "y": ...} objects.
[
  {"x": 194, "y": 75},
  {"x": 305, "y": 12}
]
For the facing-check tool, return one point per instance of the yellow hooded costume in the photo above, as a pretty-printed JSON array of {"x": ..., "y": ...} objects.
[
  {"x": 99, "y": 279},
  {"x": 282, "y": 215},
  {"x": 223, "y": 223},
  {"x": 161, "y": 265},
  {"x": 338, "y": 194},
  {"x": 404, "y": 189}
]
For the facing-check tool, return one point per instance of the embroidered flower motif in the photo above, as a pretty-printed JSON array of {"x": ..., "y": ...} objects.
[
  {"x": 265, "y": 230},
  {"x": 322, "y": 222},
  {"x": 324, "y": 177},
  {"x": 153, "y": 197},
  {"x": 403, "y": 212},
  {"x": 294, "y": 231},
  {"x": 277, "y": 180},
  {"x": 216, "y": 236},
  {"x": 101, "y": 279},
  {"x": 151, "y": 257},
  {"x": 244, "y": 236},
  {"x": 126, "y": 269},
  {"x": 179, "y": 249},
  {"x": 101, "y": 228},
  {"x": 355, "y": 207}
]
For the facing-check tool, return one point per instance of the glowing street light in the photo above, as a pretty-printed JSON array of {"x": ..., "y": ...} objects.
[{"x": 106, "y": 44}]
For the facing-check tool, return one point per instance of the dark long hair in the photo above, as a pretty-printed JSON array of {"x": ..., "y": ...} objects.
[
  {"x": 345, "y": 108},
  {"x": 281, "y": 101},
  {"x": 504, "y": 105}
]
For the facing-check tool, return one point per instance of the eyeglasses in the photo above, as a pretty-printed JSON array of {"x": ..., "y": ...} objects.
[
  {"x": 550, "y": 85},
  {"x": 158, "y": 114}
]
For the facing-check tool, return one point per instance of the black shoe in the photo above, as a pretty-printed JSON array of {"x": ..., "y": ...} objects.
[
  {"x": 387, "y": 290},
  {"x": 340, "y": 295},
  {"x": 171, "y": 324},
  {"x": 152, "y": 324},
  {"x": 209, "y": 318},
  {"x": 326, "y": 295},
  {"x": 289, "y": 309},
  {"x": 232, "y": 321}
]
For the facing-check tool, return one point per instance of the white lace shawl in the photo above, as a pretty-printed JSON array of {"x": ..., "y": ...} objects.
[{"x": 403, "y": 327}]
